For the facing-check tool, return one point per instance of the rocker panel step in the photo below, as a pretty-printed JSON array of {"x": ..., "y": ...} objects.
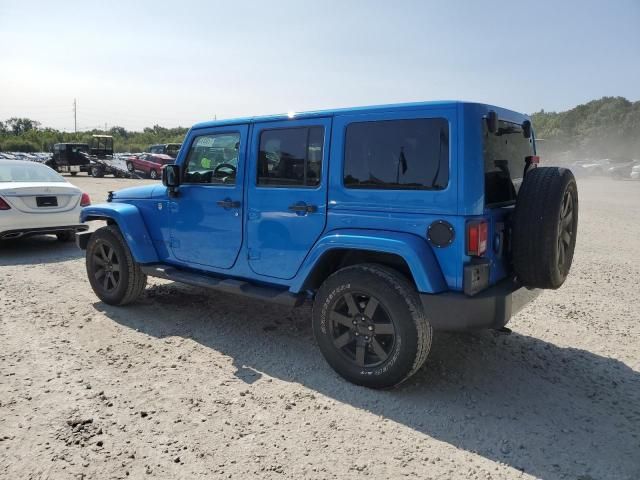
[{"x": 227, "y": 285}]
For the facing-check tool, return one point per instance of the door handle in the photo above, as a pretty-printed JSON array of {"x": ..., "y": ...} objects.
[
  {"x": 228, "y": 203},
  {"x": 303, "y": 208}
]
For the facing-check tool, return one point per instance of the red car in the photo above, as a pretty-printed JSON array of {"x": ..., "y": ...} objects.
[{"x": 148, "y": 163}]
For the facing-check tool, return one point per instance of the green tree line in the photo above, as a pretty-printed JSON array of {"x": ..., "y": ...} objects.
[
  {"x": 604, "y": 128},
  {"x": 27, "y": 135}
]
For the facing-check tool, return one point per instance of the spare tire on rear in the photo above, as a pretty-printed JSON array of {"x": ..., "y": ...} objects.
[{"x": 545, "y": 225}]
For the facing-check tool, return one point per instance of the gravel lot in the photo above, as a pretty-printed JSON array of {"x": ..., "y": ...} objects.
[{"x": 190, "y": 384}]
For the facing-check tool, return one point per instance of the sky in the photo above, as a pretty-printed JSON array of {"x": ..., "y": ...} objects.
[{"x": 140, "y": 63}]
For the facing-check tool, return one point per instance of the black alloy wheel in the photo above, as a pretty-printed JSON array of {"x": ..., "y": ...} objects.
[
  {"x": 362, "y": 329},
  {"x": 108, "y": 266}
]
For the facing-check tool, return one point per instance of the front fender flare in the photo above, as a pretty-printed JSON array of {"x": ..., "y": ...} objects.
[
  {"x": 131, "y": 224},
  {"x": 414, "y": 250}
]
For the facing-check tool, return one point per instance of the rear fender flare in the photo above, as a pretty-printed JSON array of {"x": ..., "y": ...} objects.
[
  {"x": 131, "y": 225},
  {"x": 418, "y": 255}
]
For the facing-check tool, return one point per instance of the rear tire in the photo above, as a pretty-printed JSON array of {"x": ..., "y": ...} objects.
[
  {"x": 130, "y": 167},
  {"x": 391, "y": 336},
  {"x": 545, "y": 226},
  {"x": 113, "y": 273},
  {"x": 153, "y": 175}
]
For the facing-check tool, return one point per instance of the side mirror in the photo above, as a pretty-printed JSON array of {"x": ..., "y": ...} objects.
[
  {"x": 171, "y": 178},
  {"x": 492, "y": 121},
  {"x": 526, "y": 129}
]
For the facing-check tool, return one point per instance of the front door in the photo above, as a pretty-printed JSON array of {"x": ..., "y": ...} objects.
[
  {"x": 206, "y": 215},
  {"x": 287, "y": 193}
]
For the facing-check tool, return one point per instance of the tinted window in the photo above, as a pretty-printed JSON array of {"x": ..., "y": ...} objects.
[
  {"x": 291, "y": 157},
  {"x": 397, "y": 154},
  {"x": 213, "y": 159},
  {"x": 504, "y": 161}
]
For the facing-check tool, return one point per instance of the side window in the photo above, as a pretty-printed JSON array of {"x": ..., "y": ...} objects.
[
  {"x": 213, "y": 159},
  {"x": 291, "y": 157},
  {"x": 397, "y": 154}
]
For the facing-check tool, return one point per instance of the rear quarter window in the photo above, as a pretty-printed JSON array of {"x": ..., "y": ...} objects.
[
  {"x": 397, "y": 154},
  {"x": 505, "y": 155}
]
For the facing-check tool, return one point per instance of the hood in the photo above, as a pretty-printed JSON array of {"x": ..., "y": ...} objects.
[{"x": 142, "y": 192}]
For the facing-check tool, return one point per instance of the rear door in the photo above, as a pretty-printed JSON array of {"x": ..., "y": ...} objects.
[
  {"x": 206, "y": 216},
  {"x": 287, "y": 193}
]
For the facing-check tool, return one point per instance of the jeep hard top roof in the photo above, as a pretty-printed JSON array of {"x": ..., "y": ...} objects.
[{"x": 395, "y": 107}]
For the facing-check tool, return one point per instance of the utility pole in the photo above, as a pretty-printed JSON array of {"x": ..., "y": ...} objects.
[{"x": 75, "y": 118}]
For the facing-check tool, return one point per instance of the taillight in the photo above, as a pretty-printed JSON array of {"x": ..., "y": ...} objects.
[
  {"x": 4, "y": 205},
  {"x": 477, "y": 238},
  {"x": 85, "y": 201},
  {"x": 532, "y": 159}
]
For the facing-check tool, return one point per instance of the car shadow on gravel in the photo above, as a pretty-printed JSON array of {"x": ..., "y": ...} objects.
[
  {"x": 547, "y": 410},
  {"x": 37, "y": 250}
]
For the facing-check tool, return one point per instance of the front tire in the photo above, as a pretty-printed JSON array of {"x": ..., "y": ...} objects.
[
  {"x": 113, "y": 273},
  {"x": 370, "y": 325},
  {"x": 130, "y": 167}
]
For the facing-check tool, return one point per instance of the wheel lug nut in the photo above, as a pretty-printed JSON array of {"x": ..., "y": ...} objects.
[
  {"x": 356, "y": 334},
  {"x": 370, "y": 328}
]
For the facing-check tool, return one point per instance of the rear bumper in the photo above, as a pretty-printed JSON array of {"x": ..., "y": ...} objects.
[
  {"x": 491, "y": 308},
  {"x": 27, "y": 232}
]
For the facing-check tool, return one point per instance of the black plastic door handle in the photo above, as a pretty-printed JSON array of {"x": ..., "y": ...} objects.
[
  {"x": 303, "y": 208},
  {"x": 228, "y": 203}
]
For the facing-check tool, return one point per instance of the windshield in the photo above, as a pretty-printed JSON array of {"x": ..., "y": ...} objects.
[
  {"x": 21, "y": 172},
  {"x": 504, "y": 161}
]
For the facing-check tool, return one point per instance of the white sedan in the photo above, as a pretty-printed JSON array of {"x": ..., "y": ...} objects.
[{"x": 35, "y": 200}]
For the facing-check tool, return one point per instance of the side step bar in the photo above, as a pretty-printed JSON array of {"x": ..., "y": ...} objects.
[{"x": 227, "y": 285}]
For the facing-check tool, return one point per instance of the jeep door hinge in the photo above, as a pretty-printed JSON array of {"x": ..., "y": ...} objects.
[{"x": 253, "y": 254}]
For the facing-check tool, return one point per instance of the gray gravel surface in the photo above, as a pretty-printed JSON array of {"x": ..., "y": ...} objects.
[{"x": 190, "y": 384}]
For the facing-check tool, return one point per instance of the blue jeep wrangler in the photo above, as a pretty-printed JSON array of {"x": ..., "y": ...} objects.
[{"x": 395, "y": 221}]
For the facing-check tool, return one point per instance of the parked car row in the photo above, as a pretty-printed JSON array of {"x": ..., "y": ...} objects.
[
  {"x": 618, "y": 168},
  {"x": 40, "y": 157},
  {"x": 119, "y": 164}
]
